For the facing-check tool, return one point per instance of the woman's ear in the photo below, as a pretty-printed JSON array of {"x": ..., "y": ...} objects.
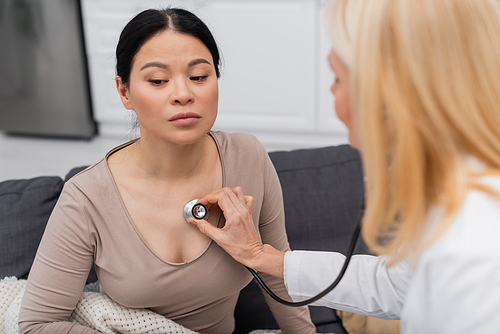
[{"x": 123, "y": 92}]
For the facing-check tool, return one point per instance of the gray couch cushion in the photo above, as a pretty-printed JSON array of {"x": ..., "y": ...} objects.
[
  {"x": 25, "y": 207},
  {"x": 322, "y": 191}
]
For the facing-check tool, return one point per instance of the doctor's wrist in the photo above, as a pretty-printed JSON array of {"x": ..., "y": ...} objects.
[{"x": 269, "y": 261}]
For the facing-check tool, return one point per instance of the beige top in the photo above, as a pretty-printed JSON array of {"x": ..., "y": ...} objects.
[{"x": 90, "y": 224}]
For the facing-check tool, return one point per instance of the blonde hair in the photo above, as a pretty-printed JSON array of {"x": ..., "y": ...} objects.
[
  {"x": 341, "y": 23},
  {"x": 425, "y": 85}
]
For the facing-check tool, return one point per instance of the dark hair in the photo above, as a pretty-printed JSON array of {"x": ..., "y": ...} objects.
[{"x": 150, "y": 22}]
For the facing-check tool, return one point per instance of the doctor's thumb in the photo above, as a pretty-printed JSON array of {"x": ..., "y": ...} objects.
[{"x": 206, "y": 228}]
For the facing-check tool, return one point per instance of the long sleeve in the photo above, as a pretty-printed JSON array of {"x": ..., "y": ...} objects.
[
  {"x": 272, "y": 231},
  {"x": 368, "y": 286},
  {"x": 59, "y": 271}
]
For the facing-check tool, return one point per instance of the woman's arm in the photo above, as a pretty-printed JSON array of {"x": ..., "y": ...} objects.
[
  {"x": 273, "y": 233},
  {"x": 59, "y": 272}
]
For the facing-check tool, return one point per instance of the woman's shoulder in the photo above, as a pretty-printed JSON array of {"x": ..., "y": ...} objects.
[
  {"x": 474, "y": 230},
  {"x": 477, "y": 223},
  {"x": 91, "y": 180},
  {"x": 235, "y": 139},
  {"x": 95, "y": 178},
  {"x": 461, "y": 268},
  {"x": 237, "y": 142},
  {"x": 99, "y": 169},
  {"x": 240, "y": 154}
]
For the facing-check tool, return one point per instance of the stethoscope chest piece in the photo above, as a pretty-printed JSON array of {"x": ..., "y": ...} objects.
[{"x": 195, "y": 210}]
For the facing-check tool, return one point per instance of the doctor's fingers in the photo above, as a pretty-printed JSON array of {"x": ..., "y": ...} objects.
[
  {"x": 235, "y": 206},
  {"x": 208, "y": 229},
  {"x": 238, "y": 241},
  {"x": 211, "y": 199},
  {"x": 247, "y": 200},
  {"x": 232, "y": 203},
  {"x": 226, "y": 198}
]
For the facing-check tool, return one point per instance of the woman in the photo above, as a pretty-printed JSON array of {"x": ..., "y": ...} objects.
[
  {"x": 125, "y": 213},
  {"x": 424, "y": 112}
]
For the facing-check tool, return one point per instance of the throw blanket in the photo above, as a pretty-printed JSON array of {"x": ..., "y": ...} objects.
[{"x": 93, "y": 310}]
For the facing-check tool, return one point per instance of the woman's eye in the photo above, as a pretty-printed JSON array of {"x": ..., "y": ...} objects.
[
  {"x": 199, "y": 78},
  {"x": 157, "y": 82}
]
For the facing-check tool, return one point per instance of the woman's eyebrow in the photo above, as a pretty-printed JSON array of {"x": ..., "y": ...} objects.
[
  {"x": 166, "y": 67},
  {"x": 198, "y": 61},
  {"x": 154, "y": 64}
]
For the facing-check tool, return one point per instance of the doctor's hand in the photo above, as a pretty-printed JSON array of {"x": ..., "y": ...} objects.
[{"x": 239, "y": 237}]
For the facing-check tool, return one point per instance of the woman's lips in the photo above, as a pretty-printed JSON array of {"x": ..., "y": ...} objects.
[{"x": 184, "y": 119}]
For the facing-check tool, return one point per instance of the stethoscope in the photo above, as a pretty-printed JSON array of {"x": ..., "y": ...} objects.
[{"x": 199, "y": 211}]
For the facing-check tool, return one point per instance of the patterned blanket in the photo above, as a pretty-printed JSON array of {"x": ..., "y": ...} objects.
[{"x": 93, "y": 310}]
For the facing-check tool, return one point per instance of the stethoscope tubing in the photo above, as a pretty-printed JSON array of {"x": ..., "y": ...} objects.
[
  {"x": 350, "y": 251},
  {"x": 189, "y": 212}
]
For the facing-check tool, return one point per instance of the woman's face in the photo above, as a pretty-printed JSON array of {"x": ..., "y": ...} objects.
[
  {"x": 172, "y": 88},
  {"x": 340, "y": 89}
]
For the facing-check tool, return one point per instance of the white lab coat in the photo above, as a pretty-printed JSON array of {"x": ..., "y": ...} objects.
[{"x": 454, "y": 287}]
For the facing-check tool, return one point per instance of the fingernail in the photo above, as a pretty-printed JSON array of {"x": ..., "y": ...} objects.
[{"x": 192, "y": 221}]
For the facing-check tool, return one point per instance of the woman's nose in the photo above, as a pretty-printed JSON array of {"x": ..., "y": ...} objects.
[{"x": 181, "y": 92}]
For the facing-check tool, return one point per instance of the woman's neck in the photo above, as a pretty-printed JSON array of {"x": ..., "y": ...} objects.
[{"x": 166, "y": 161}]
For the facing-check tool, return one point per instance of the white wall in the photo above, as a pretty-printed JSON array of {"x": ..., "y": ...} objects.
[{"x": 275, "y": 77}]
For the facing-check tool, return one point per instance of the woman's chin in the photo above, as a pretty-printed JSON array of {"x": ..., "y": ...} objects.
[{"x": 188, "y": 137}]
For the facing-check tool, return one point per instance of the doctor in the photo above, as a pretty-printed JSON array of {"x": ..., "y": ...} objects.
[{"x": 418, "y": 87}]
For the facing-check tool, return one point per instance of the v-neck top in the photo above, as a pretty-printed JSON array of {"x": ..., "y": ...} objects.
[{"x": 90, "y": 224}]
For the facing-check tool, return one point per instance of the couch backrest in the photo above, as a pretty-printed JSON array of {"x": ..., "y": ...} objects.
[
  {"x": 322, "y": 194},
  {"x": 25, "y": 207}
]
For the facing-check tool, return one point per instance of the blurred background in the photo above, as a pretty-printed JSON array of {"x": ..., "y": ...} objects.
[{"x": 59, "y": 107}]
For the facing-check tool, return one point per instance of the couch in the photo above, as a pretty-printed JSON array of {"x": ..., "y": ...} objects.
[{"x": 322, "y": 190}]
